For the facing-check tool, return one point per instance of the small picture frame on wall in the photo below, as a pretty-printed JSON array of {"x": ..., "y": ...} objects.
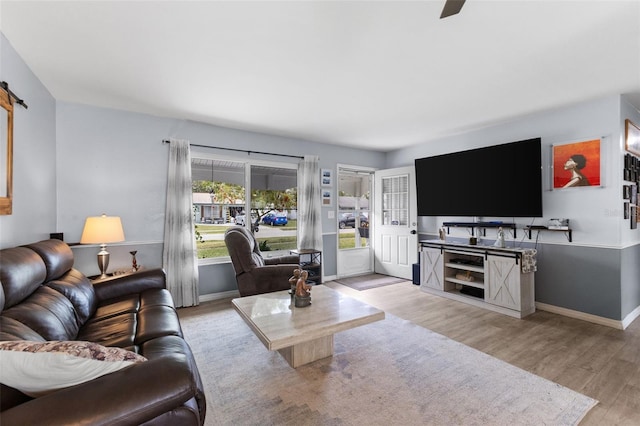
[
  {"x": 634, "y": 218},
  {"x": 625, "y": 210},
  {"x": 326, "y": 177},
  {"x": 626, "y": 192},
  {"x": 326, "y": 198},
  {"x": 632, "y": 137}
]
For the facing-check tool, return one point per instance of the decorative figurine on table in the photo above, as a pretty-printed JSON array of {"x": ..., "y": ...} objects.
[
  {"x": 134, "y": 262},
  {"x": 294, "y": 281},
  {"x": 303, "y": 291}
]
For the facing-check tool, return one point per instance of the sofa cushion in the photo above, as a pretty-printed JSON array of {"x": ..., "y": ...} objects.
[
  {"x": 22, "y": 271},
  {"x": 39, "y": 368},
  {"x": 57, "y": 257},
  {"x": 11, "y": 329},
  {"x": 118, "y": 330},
  {"x": 78, "y": 290},
  {"x": 48, "y": 313},
  {"x": 157, "y": 321}
]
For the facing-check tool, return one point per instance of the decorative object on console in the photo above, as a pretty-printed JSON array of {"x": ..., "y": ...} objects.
[
  {"x": 529, "y": 261},
  {"x": 102, "y": 230},
  {"x": 500, "y": 240},
  {"x": 559, "y": 224},
  {"x": 576, "y": 164}
]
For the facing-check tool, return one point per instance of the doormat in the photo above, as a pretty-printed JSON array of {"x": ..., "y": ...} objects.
[{"x": 365, "y": 282}]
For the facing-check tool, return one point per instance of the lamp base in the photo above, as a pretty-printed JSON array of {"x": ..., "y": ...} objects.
[{"x": 103, "y": 260}]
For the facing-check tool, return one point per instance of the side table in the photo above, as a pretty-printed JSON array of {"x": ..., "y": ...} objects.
[
  {"x": 96, "y": 278},
  {"x": 310, "y": 261}
]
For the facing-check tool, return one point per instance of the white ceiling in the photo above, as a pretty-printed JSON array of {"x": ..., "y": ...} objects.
[{"x": 373, "y": 74}]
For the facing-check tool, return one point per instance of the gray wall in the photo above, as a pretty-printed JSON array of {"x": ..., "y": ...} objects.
[
  {"x": 34, "y": 153},
  {"x": 113, "y": 162}
]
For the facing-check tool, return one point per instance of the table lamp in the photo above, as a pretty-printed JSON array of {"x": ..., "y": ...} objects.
[{"x": 102, "y": 230}]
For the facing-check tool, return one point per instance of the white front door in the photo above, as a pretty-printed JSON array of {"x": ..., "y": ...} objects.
[{"x": 396, "y": 228}]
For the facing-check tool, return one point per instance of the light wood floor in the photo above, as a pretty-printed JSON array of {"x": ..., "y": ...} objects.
[{"x": 595, "y": 360}]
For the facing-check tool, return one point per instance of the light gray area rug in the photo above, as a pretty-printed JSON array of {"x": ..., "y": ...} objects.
[
  {"x": 365, "y": 282},
  {"x": 391, "y": 372}
]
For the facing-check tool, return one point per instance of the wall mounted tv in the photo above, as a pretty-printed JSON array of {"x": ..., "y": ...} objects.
[{"x": 495, "y": 181}]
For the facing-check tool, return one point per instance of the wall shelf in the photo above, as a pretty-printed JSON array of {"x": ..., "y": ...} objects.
[
  {"x": 481, "y": 225},
  {"x": 567, "y": 231}
]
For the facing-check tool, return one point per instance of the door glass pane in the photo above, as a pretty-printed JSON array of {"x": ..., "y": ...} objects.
[
  {"x": 395, "y": 200},
  {"x": 354, "y": 193}
]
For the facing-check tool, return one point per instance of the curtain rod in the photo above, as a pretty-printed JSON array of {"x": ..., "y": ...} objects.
[
  {"x": 241, "y": 150},
  {"x": 19, "y": 101}
]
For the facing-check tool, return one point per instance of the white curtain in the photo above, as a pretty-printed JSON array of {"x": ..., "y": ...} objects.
[
  {"x": 309, "y": 207},
  {"x": 179, "y": 257}
]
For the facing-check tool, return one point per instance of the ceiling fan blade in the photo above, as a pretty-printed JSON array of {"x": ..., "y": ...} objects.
[{"x": 451, "y": 7}]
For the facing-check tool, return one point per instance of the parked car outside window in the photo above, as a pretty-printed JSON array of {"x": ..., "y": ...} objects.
[
  {"x": 275, "y": 219},
  {"x": 241, "y": 218},
  {"x": 348, "y": 220}
]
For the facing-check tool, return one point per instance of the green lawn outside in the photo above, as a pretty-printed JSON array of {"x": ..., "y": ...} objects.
[{"x": 217, "y": 248}]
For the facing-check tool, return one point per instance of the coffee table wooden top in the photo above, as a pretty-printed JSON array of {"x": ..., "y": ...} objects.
[{"x": 278, "y": 324}]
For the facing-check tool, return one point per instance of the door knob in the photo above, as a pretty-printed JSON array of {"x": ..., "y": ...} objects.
[{"x": 413, "y": 232}]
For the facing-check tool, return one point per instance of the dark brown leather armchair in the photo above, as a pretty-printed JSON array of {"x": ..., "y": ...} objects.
[{"x": 256, "y": 274}]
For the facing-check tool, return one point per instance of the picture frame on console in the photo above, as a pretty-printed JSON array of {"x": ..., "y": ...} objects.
[{"x": 577, "y": 164}]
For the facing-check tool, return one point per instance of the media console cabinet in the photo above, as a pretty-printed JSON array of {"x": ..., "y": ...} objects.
[{"x": 485, "y": 276}]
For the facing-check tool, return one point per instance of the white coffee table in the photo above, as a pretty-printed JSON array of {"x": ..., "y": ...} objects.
[{"x": 303, "y": 335}]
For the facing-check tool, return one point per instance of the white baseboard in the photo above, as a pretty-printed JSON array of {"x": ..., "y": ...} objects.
[
  {"x": 217, "y": 296},
  {"x": 626, "y": 321},
  {"x": 620, "y": 325}
]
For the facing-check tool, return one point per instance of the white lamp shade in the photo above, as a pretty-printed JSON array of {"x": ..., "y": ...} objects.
[{"x": 102, "y": 230}]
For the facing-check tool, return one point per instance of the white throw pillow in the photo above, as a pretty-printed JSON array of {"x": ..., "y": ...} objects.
[{"x": 39, "y": 368}]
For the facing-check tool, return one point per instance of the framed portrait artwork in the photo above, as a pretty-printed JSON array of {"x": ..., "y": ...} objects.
[
  {"x": 632, "y": 137},
  {"x": 326, "y": 177},
  {"x": 577, "y": 164}
]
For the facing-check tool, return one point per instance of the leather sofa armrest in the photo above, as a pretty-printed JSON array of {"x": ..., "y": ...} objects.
[
  {"x": 133, "y": 395},
  {"x": 130, "y": 284}
]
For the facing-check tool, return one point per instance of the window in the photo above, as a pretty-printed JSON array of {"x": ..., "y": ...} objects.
[
  {"x": 395, "y": 201},
  {"x": 225, "y": 190}
]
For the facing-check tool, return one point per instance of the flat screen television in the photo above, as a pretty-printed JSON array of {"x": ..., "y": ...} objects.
[{"x": 495, "y": 181}]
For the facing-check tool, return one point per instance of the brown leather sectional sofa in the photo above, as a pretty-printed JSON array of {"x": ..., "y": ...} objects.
[{"x": 42, "y": 298}]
